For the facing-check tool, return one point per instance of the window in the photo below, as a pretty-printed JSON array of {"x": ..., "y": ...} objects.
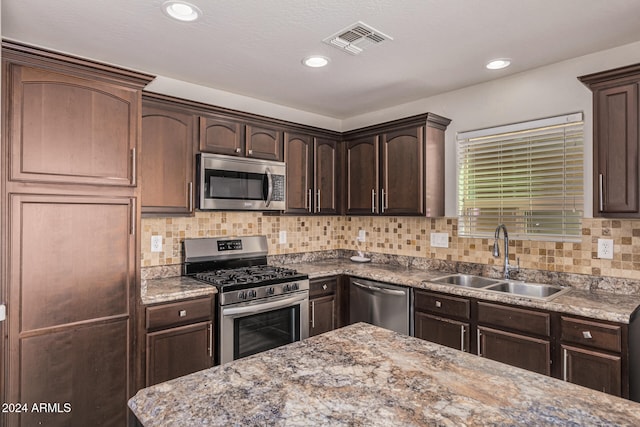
[{"x": 528, "y": 176}]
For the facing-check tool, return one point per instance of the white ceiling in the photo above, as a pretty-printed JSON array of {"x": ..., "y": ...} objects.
[{"x": 255, "y": 47}]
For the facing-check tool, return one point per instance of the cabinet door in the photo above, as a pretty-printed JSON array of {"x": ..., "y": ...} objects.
[
  {"x": 220, "y": 135},
  {"x": 264, "y": 143},
  {"x": 442, "y": 331},
  {"x": 167, "y": 160},
  {"x": 616, "y": 172},
  {"x": 71, "y": 280},
  {"x": 175, "y": 352},
  {"x": 522, "y": 351},
  {"x": 298, "y": 159},
  {"x": 592, "y": 369},
  {"x": 322, "y": 314},
  {"x": 71, "y": 130},
  {"x": 402, "y": 190},
  {"x": 362, "y": 176},
  {"x": 327, "y": 171}
]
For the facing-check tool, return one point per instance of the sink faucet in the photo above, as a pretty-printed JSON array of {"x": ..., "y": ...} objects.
[{"x": 496, "y": 250}]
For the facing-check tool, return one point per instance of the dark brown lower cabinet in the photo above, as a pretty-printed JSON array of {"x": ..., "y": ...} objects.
[
  {"x": 179, "y": 339},
  {"x": 447, "y": 332},
  {"x": 525, "y": 352},
  {"x": 593, "y": 369},
  {"x": 323, "y": 305}
]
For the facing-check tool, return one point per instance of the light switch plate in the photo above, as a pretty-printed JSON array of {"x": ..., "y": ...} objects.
[
  {"x": 156, "y": 243},
  {"x": 605, "y": 248},
  {"x": 283, "y": 237},
  {"x": 439, "y": 240}
]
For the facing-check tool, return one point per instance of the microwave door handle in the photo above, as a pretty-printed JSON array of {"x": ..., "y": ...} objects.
[{"x": 269, "y": 187}]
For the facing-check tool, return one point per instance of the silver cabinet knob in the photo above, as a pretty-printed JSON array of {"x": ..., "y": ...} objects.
[
  {"x": 182, "y": 313},
  {"x": 250, "y": 151},
  {"x": 587, "y": 335},
  {"x": 438, "y": 304},
  {"x": 324, "y": 287},
  {"x": 238, "y": 150}
]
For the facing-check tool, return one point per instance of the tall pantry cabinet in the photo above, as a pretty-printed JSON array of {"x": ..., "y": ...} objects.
[{"x": 70, "y": 251}]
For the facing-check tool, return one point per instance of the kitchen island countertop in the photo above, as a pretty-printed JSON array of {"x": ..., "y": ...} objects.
[{"x": 368, "y": 376}]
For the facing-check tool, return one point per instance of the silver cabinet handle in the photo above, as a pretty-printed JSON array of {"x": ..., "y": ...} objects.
[
  {"x": 383, "y": 198},
  {"x": 373, "y": 200},
  {"x": 378, "y": 289},
  {"x": 479, "y": 343},
  {"x": 318, "y": 200},
  {"x": 210, "y": 340},
  {"x": 191, "y": 196},
  {"x": 313, "y": 314},
  {"x": 565, "y": 359},
  {"x": 463, "y": 330},
  {"x": 133, "y": 219},
  {"x": 309, "y": 200},
  {"x": 134, "y": 166},
  {"x": 601, "y": 192}
]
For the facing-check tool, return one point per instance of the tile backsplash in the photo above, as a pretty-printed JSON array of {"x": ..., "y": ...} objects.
[{"x": 399, "y": 236}]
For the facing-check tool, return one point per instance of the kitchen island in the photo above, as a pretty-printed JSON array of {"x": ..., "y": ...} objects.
[{"x": 368, "y": 376}]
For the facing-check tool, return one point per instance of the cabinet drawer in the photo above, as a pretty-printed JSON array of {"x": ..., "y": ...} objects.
[
  {"x": 179, "y": 313},
  {"x": 517, "y": 319},
  {"x": 318, "y": 287},
  {"x": 442, "y": 304},
  {"x": 592, "y": 334}
]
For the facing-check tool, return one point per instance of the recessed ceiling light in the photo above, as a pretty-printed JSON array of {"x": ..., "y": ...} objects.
[
  {"x": 315, "y": 61},
  {"x": 497, "y": 64},
  {"x": 182, "y": 11}
]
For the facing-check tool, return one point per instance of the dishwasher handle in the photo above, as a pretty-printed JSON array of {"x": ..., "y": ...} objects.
[{"x": 379, "y": 289}]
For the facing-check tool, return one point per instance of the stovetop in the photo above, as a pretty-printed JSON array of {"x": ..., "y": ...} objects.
[{"x": 247, "y": 277}]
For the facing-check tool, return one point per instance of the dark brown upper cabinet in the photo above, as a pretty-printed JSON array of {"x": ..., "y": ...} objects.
[
  {"x": 221, "y": 135},
  {"x": 69, "y": 129},
  {"x": 616, "y": 154},
  {"x": 397, "y": 168},
  {"x": 167, "y": 162},
  {"x": 312, "y": 174},
  {"x": 263, "y": 142}
]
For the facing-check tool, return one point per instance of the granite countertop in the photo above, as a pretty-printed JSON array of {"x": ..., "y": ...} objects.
[
  {"x": 156, "y": 291},
  {"x": 580, "y": 302},
  {"x": 367, "y": 376}
]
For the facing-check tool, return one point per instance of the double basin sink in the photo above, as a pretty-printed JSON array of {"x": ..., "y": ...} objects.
[{"x": 524, "y": 289}]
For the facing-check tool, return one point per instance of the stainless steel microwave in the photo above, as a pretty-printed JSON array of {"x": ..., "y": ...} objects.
[{"x": 238, "y": 183}]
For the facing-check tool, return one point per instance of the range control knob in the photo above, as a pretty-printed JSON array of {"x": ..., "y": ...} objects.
[
  {"x": 286, "y": 288},
  {"x": 242, "y": 295},
  {"x": 295, "y": 286},
  {"x": 252, "y": 293},
  {"x": 271, "y": 290}
]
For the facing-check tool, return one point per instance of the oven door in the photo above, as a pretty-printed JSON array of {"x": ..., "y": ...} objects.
[{"x": 253, "y": 327}]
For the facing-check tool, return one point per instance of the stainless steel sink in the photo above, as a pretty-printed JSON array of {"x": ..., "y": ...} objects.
[
  {"x": 513, "y": 287},
  {"x": 531, "y": 290},
  {"x": 466, "y": 280}
]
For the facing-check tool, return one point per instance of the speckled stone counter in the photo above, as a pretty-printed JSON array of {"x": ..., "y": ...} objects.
[
  {"x": 173, "y": 288},
  {"x": 581, "y": 302},
  {"x": 362, "y": 375}
]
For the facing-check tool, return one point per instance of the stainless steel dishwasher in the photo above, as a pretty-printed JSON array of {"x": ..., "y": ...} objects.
[{"x": 380, "y": 304}]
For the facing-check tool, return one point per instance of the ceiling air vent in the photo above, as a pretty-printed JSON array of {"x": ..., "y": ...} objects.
[{"x": 356, "y": 37}]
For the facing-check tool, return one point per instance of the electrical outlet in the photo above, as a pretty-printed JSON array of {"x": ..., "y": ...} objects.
[
  {"x": 156, "y": 243},
  {"x": 283, "y": 237},
  {"x": 605, "y": 248},
  {"x": 362, "y": 236},
  {"x": 439, "y": 240}
]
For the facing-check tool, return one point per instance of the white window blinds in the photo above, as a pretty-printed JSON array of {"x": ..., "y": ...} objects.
[{"x": 528, "y": 176}]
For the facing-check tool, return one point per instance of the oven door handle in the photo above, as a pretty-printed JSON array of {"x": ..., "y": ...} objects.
[
  {"x": 269, "y": 187},
  {"x": 262, "y": 307}
]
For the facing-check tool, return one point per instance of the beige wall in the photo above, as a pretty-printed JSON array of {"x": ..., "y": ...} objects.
[{"x": 400, "y": 236}]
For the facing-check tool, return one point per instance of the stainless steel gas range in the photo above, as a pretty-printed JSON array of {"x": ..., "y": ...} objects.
[{"x": 260, "y": 307}]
